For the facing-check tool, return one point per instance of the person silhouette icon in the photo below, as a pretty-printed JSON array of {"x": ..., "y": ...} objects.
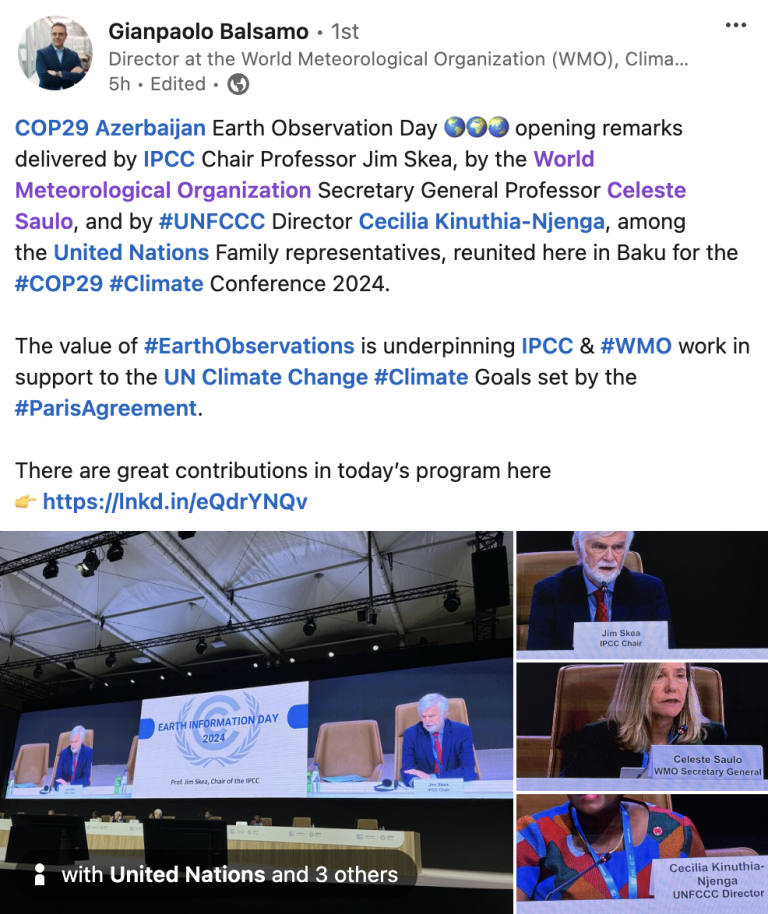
[{"x": 39, "y": 870}]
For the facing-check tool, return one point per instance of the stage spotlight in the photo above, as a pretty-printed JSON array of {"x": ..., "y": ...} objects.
[
  {"x": 161, "y": 676},
  {"x": 255, "y": 666},
  {"x": 375, "y": 647},
  {"x": 201, "y": 647},
  {"x": 38, "y": 672},
  {"x": 310, "y": 627},
  {"x": 51, "y": 570},
  {"x": 188, "y": 673},
  {"x": 452, "y": 602},
  {"x": 89, "y": 564},
  {"x": 111, "y": 660},
  {"x": 115, "y": 551},
  {"x": 188, "y": 535},
  {"x": 292, "y": 660},
  {"x": 133, "y": 682},
  {"x": 331, "y": 654},
  {"x": 371, "y": 617}
]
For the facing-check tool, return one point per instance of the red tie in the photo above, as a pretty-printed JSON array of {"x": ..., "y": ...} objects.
[
  {"x": 74, "y": 767},
  {"x": 439, "y": 751},
  {"x": 602, "y": 611}
]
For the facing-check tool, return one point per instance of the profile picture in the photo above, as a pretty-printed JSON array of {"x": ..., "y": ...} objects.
[{"x": 55, "y": 53}]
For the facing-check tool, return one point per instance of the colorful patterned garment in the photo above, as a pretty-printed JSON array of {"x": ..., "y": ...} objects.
[{"x": 547, "y": 856}]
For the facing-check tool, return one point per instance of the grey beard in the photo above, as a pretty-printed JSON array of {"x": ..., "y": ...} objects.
[{"x": 604, "y": 576}]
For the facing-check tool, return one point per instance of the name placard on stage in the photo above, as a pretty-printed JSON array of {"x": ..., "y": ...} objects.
[
  {"x": 69, "y": 790},
  {"x": 438, "y": 788},
  {"x": 620, "y": 640},
  {"x": 345, "y": 837},
  {"x": 734, "y": 881},
  {"x": 121, "y": 829},
  {"x": 716, "y": 763}
]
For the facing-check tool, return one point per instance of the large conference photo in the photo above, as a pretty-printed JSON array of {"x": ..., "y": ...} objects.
[{"x": 254, "y": 692}]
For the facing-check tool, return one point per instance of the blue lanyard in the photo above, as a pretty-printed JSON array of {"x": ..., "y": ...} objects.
[
  {"x": 629, "y": 848},
  {"x": 646, "y": 755}
]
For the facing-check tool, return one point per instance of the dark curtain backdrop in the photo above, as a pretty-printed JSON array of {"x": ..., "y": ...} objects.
[
  {"x": 727, "y": 820},
  {"x": 715, "y": 582}
]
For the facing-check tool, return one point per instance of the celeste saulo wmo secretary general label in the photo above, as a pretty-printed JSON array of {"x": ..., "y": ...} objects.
[
  {"x": 737, "y": 766},
  {"x": 244, "y": 742}
]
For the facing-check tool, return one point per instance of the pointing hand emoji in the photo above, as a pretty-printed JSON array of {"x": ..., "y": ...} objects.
[{"x": 24, "y": 501}]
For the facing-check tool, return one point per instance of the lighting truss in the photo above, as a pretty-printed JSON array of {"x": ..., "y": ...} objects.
[
  {"x": 20, "y": 685},
  {"x": 300, "y": 616},
  {"x": 74, "y": 547}
]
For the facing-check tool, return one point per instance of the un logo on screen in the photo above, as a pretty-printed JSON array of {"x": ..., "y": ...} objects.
[{"x": 220, "y": 731}]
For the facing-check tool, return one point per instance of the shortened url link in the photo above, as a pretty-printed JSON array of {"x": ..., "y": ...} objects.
[{"x": 214, "y": 501}]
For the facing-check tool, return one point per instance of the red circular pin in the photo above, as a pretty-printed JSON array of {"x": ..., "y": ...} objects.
[{"x": 658, "y": 831}]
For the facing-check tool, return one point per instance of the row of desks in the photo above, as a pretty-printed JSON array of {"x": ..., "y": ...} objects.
[{"x": 334, "y": 847}]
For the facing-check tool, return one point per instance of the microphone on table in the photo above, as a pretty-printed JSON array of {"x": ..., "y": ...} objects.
[
  {"x": 680, "y": 732},
  {"x": 603, "y": 858},
  {"x": 385, "y": 785}
]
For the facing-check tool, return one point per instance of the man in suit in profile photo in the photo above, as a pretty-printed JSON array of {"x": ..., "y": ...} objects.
[
  {"x": 74, "y": 762},
  {"x": 597, "y": 589},
  {"x": 58, "y": 67},
  {"x": 437, "y": 747}
]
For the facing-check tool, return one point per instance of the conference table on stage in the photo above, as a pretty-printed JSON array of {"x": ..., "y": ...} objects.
[
  {"x": 332, "y": 847},
  {"x": 477, "y": 790}
]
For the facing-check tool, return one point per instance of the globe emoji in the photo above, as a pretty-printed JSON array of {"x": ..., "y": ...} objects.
[
  {"x": 498, "y": 126},
  {"x": 454, "y": 126},
  {"x": 476, "y": 126}
]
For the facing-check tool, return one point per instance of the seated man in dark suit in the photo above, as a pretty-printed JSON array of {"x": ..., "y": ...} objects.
[
  {"x": 74, "y": 762},
  {"x": 58, "y": 67},
  {"x": 437, "y": 747},
  {"x": 598, "y": 589}
]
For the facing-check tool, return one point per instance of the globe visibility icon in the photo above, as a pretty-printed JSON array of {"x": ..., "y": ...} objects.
[{"x": 238, "y": 83}]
